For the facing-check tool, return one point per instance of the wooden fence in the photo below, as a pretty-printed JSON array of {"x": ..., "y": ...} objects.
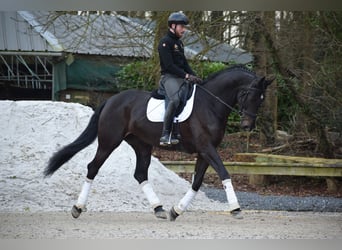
[{"x": 260, "y": 165}]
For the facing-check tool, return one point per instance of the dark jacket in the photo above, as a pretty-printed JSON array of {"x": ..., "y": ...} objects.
[{"x": 171, "y": 55}]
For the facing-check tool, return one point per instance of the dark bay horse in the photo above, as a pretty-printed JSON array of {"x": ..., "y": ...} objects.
[{"x": 123, "y": 117}]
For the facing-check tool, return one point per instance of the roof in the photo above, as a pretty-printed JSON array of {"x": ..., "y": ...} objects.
[
  {"x": 112, "y": 35},
  {"x": 17, "y": 35},
  {"x": 214, "y": 50},
  {"x": 93, "y": 34}
]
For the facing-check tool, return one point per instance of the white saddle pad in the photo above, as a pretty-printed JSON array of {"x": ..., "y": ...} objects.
[{"x": 156, "y": 109}]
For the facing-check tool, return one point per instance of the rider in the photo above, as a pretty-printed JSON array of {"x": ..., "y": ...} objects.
[{"x": 174, "y": 71}]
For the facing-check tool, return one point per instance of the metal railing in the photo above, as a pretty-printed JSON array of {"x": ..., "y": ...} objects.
[{"x": 29, "y": 81}]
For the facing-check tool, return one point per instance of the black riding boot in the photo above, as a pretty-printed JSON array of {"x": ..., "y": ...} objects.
[{"x": 167, "y": 136}]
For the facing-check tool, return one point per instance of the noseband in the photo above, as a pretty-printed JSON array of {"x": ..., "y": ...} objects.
[{"x": 243, "y": 94}]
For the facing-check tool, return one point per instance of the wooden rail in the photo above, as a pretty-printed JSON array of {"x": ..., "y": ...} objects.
[
  {"x": 266, "y": 168},
  {"x": 258, "y": 166}
]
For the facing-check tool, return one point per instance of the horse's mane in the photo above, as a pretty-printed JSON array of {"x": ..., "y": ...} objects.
[{"x": 231, "y": 68}]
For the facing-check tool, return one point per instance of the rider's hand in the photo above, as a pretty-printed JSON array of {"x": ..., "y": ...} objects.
[{"x": 193, "y": 79}]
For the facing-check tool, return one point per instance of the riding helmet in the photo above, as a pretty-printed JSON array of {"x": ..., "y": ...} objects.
[{"x": 177, "y": 18}]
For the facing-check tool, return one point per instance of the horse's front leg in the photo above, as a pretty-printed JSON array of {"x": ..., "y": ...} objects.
[
  {"x": 200, "y": 169},
  {"x": 213, "y": 158}
]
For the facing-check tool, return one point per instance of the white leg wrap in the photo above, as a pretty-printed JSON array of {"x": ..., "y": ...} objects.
[
  {"x": 231, "y": 197},
  {"x": 185, "y": 201},
  {"x": 83, "y": 197},
  {"x": 150, "y": 194}
]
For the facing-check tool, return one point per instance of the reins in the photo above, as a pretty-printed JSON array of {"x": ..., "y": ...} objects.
[
  {"x": 240, "y": 112},
  {"x": 219, "y": 99}
]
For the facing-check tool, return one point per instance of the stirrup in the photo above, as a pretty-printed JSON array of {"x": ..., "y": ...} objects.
[
  {"x": 174, "y": 141},
  {"x": 167, "y": 140},
  {"x": 162, "y": 143}
]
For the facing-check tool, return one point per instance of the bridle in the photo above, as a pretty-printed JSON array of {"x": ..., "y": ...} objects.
[
  {"x": 242, "y": 103},
  {"x": 243, "y": 94}
]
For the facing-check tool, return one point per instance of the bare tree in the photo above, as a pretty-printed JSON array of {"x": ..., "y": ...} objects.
[
  {"x": 302, "y": 52},
  {"x": 259, "y": 27}
]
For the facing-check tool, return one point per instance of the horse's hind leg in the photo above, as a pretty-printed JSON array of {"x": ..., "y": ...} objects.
[
  {"x": 104, "y": 149},
  {"x": 143, "y": 154}
]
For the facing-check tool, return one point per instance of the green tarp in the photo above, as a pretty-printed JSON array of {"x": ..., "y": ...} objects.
[{"x": 85, "y": 74}]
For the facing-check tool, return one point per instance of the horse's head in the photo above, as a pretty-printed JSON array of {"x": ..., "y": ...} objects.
[{"x": 250, "y": 99}]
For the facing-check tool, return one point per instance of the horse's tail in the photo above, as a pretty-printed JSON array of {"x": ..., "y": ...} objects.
[{"x": 84, "y": 140}]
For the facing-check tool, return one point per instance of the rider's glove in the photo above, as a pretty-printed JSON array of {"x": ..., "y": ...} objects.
[{"x": 194, "y": 79}]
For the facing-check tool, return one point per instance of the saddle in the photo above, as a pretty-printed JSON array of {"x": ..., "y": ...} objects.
[{"x": 156, "y": 105}]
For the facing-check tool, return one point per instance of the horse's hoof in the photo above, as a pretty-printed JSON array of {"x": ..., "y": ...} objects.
[
  {"x": 237, "y": 214},
  {"x": 76, "y": 212},
  {"x": 173, "y": 214},
  {"x": 160, "y": 213}
]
